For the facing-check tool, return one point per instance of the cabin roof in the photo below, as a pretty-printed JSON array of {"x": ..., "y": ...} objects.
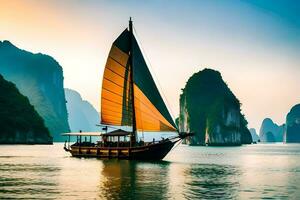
[
  {"x": 118, "y": 132},
  {"x": 83, "y": 134}
]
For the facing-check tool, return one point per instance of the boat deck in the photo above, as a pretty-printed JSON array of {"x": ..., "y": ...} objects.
[{"x": 149, "y": 151}]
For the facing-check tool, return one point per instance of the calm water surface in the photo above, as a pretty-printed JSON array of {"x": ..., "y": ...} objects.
[{"x": 262, "y": 171}]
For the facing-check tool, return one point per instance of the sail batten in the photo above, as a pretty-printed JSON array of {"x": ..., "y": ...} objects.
[
  {"x": 115, "y": 83},
  {"x": 118, "y": 72},
  {"x": 115, "y": 108},
  {"x": 129, "y": 93}
]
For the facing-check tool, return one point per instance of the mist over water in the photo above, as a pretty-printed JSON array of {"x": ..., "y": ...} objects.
[{"x": 254, "y": 171}]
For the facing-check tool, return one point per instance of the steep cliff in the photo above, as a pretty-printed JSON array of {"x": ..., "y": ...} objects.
[
  {"x": 292, "y": 134},
  {"x": 82, "y": 115},
  {"x": 254, "y": 135},
  {"x": 210, "y": 109},
  {"x": 19, "y": 122},
  {"x": 40, "y": 78},
  {"x": 270, "y": 131}
]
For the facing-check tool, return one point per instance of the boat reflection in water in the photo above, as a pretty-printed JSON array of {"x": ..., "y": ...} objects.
[{"x": 123, "y": 179}]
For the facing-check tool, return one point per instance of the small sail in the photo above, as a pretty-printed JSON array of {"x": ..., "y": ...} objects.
[{"x": 151, "y": 113}]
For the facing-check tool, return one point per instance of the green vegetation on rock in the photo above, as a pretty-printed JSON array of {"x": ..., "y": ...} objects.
[
  {"x": 40, "y": 78},
  {"x": 210, "y": 110},
  {"x": 19, "y": 122},
  {"x": 292, "y": 134}
]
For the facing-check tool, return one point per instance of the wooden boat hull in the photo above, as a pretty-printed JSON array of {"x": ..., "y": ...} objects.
[{"x": 150, "y": 152}]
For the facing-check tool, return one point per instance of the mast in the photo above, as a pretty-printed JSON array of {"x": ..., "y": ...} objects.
[{"x": 133, "y": 136}]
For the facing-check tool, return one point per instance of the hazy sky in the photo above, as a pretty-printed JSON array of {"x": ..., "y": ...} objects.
[{"x": 254, "y": 44}]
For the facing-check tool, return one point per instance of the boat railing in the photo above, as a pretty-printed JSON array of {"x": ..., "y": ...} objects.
[{"x": 115, "y": 144}]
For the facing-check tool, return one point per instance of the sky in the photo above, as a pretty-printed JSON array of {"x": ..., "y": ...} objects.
[{"x": 254, "y": 44}]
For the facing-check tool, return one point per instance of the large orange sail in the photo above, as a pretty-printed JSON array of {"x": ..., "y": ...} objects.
[
  {"x": 116, "y": 108},
  {"x": 149, "y": 112}
]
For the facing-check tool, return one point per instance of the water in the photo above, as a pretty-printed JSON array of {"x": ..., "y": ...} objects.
[{"x": 262, "y": 171}]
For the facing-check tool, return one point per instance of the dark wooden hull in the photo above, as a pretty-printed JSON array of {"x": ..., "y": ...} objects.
[{"x": 155, "y": 151}]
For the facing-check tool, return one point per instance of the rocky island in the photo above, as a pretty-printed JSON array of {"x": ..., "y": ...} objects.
[
  {"x": 270, "y": 131},
  {"x": 81, "y": 114},
  {"x": 210, "y": 110},
  {"x": 19, "y": 121},
  {"x": 255, "y": 137},
  {"x": 292, "y": 134},
  {"x": 40, "y": 78}
]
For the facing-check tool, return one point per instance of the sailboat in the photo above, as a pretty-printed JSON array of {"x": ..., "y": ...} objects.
[{"x": 129, "y": 98}]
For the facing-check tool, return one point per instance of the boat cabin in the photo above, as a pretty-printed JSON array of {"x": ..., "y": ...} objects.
[{"x": 116, "y": 138}]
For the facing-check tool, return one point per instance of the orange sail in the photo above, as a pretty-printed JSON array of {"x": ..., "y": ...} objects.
[
  {"x": 116, "y": 108},
  {"x": 129, "y": 95}
]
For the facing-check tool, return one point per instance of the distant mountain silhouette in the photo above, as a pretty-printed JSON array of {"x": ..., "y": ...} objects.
[
  {"x": 270, "y": 131},
  {"x": 19, "y": 122},
  {"x": 254, "y": 135},
  {"x": 210, "y": 110},
  {"x": 40, "y": 78},
  {"x": 292, "y": 134},
  {"x": 82, "y": 115}
]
